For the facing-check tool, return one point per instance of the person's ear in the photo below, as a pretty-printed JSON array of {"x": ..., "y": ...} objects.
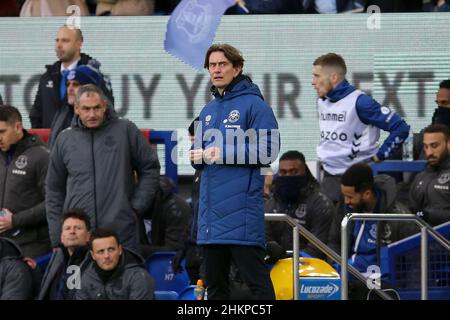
[
  {"x": 366, "y": 195},
  {"x": 18, "y": 127}
]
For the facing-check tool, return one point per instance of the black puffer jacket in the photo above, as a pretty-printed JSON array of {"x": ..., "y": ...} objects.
[
  {"x": 313, "y": 210},
  {"x": 15, "y": 275},
  {"x": 170, "y": 216},
  {"x": 48, "y": 101},
  {"x": 22, "y": 192},
  {"x": 130, "y": 281}
]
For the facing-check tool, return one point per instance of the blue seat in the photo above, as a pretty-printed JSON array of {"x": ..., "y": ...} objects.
[
  {"x": 187, "y": 293},
  {"x": 166, "y": 295},
  {"x": 159, "y": 265},
  {"x": 42, "y": 261}
]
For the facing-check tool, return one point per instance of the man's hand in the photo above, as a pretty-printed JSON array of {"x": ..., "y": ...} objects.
[
  {"x": 30, "y": 262},
  {"x": 6, "y": 221},
  {"x": 211, "y": 155},
  {"x": 196, "y": 156},
  {"x": 375, "y": 159}
]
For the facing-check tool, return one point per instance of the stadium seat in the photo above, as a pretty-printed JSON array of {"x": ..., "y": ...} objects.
[
  {"x": 187, "y": 293},
  {"x": 159, "y": 265},
  {"x": 166, "y": 295}
]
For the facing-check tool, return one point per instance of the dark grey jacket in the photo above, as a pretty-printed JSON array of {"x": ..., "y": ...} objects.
[
  {"x": 22, "y": 192},
  {"x": 92, "y": 169},
  {"x": 314, "y": 211},
  {"x": 430, "y": 193},
  {"x": 48, "y": 101},
  {"x": 15, "y": 275},
  {"x": 60, "y": 268},
  {"x": 130, "y": 281}
]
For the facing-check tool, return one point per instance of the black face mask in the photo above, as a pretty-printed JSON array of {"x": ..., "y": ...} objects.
[
  {"x": 287, "y": 188},
  {"x": 441, "y": 115}
]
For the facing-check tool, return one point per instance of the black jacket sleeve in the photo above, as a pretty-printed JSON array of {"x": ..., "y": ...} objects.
[
  {"x": 323, "y": 213},
  {"x": 145, "y": 162},
  {"x": 176, "y": 215},
  {"x": 35, "y": 215},
  {"x": 17, "y": 281},
  {"x": 334, "y": 237},
  {"x": 36, "y": 110},
  {"x": 55, "y": 193}
]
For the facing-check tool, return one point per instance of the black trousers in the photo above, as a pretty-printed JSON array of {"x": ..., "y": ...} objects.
[{"x": 250, "y": 262}]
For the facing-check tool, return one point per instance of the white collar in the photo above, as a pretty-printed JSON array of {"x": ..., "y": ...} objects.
[{"x": 71, "y": 67}]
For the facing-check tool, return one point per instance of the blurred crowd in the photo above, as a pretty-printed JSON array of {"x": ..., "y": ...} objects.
[{"x": 36, "y": 8}]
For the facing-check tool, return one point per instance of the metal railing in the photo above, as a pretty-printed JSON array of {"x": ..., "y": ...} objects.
[
  {"x": 425, "y": 230},
  {"x": 299, "y": 229}
]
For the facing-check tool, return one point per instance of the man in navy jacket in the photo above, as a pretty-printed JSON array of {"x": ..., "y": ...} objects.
[{"x": 237, "y": 137}]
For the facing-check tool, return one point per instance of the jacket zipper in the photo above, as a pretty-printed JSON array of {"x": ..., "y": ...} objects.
[
  {"x": 95, "y": 189},
  {"x": 216, "y": 126}
]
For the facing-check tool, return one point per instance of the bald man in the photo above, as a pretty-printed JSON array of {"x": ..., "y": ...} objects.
[{"x": 52, "y": 91}]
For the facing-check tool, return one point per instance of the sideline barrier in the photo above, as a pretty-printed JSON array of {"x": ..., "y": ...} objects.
[
  {"x": 425, "y": 230},
  {"x": 400, "y": 263}
]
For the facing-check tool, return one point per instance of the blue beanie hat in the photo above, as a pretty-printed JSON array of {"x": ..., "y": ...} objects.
[{"x": 84, "y": 74}]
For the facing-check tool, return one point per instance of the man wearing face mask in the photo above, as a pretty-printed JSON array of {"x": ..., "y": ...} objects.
[
  {"x": 441, "y": 115},
  {"x": 296, "y": 192},
  {"x": 364, "y": 193}
]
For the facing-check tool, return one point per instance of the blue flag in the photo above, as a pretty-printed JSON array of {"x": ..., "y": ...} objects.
[{"x": 192, "y": 27}]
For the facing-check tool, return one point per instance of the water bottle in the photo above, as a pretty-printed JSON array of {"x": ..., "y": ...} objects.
[
  {"x": 408, "y": 145},
  {"x": 199, "y": 291}
]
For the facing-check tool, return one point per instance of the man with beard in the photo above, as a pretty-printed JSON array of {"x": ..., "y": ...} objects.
[
  {"x": 363, "y": 193},
  {"x": 51, "y": 94},
  {"x": 296, "y": 193},
  {"x": 430, "y": 190},
  {"x": 441, "y": 115}
]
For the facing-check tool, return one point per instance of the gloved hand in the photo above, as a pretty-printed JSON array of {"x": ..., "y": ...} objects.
[
  {"x": 176, "y": 261},
  {"x": 275, "y": 252}
]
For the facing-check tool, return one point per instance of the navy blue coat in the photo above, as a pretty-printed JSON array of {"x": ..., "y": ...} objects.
[{"x": 231, "y": 203}]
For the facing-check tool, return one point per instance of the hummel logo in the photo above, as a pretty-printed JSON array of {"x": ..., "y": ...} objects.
[{"x": 49, "y": 84}]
